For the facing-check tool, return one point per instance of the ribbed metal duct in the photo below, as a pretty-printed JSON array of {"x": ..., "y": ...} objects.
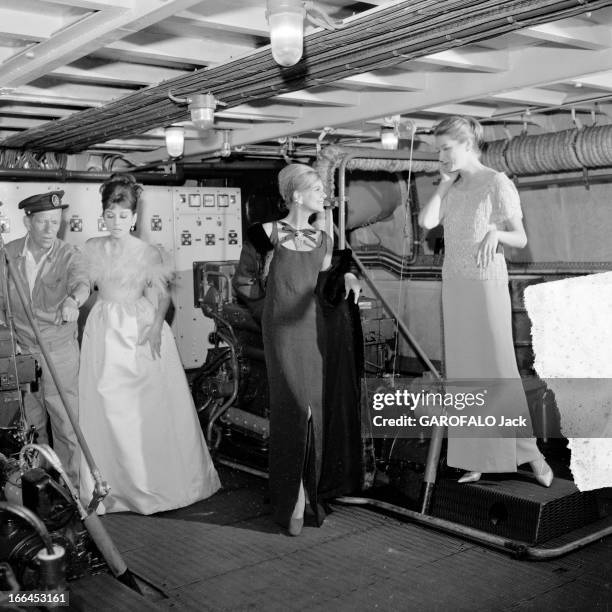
[
  {"x": 588, "y": 147},
  {"x": 401, "y": 32}
]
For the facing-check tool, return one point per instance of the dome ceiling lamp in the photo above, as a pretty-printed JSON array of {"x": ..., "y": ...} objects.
[
  {"x": 286, "y": 21},
  {"x": 175, "y": 140}
]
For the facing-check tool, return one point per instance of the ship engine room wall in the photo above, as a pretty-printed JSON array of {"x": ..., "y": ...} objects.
[
  {"x": 566, "y": 223},
  {"x": 189, "y": 223}
]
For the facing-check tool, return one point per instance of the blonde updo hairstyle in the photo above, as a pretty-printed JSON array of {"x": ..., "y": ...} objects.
[
  {"x": 295, "y": 177},
  {"x": 462, "y": 129},
  {"x": 120, "y": 190}
]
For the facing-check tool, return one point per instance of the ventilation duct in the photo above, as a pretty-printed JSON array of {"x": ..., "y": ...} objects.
[{"x": 575, "y": 149}]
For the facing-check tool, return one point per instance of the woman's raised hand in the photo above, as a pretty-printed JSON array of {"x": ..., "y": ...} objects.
[
  {"x": 447, "y": 178},
  {"x": 352, "y": 283}
]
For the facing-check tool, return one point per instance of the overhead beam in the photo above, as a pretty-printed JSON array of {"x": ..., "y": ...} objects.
[
  {"x": 478, "y": 60},
  {"x": 458, "y": 108},
  {"x": 189, "y": 28},
  {"x": 602, "y": 81},
  {"x": 332, "y": 97},
  {"x": 7, "y": 52},
  {"x": 36, "y": 111},
  {"x": 530, "y": 68},
  {"x": 94, "y": 5},
  {"x": 265, "y": 112},
  {"x": 85, "y": 36},
  {"x": 342, "y": 3},
  {"x": 574, "y": 32},
  {"x": 89, "y": 70},
  {"x": 83, "y": 93},
  {"x": 19, "y": 123},
  {"x": 35, "y": 95},
  {"x": 395, "y": 82},
  {"x": 535, "y": 96},
  {"x": 236, "y": 16},
  {"x": 31, "y": 26},
  {"x": 198, "y": 51}
]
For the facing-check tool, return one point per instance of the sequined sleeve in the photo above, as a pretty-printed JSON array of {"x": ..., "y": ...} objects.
[{"x": 507, "y": 203}]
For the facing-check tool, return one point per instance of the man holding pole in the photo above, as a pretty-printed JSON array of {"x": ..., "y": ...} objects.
[{"x": 55, "y": 285}]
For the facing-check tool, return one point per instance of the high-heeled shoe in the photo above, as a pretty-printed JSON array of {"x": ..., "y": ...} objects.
[
  {"x": 470, "y": 477},
  {"x": 542, "y": 472},
  {"x": 295, "y": 526}
]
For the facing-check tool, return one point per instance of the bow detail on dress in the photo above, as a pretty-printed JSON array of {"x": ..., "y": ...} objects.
[{"x": 298, "y": 235}]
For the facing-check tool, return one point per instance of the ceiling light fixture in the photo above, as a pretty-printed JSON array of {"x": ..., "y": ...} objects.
[
  {"x": 226, "y": 147},
  {"x": 175, "y": 140},
  {"x": 286, "y": 21},
  {"x": 202, "y": 108},
  {"x": 389, "y": 132}
]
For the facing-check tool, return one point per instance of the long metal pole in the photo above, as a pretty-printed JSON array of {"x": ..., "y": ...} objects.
[{"x": 435, "y": 445}]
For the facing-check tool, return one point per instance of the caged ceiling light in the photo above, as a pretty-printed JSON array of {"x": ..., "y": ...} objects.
[
  {"x": 286, "y": 21},
  {"x": 202, "y": 108},
  {"x": 175, "y": 140},
  {"x": 389, "y": 136}
]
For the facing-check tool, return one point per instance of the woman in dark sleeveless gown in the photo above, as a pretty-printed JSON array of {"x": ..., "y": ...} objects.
[{"x": 314, "y": 447}]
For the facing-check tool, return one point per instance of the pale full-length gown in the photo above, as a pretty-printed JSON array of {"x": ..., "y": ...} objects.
[
  {"x": 137, "y": 413},
  {"x": 477, "y": 319}
]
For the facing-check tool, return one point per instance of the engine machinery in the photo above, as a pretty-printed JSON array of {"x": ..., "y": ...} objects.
[
  {"x": 43, "y": 541},
  {"x": 22, "y": 538},
  {"x": 231, "y": 389}
]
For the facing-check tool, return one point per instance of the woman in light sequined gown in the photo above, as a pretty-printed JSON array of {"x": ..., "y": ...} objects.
[{"x": 481, "y": 213}]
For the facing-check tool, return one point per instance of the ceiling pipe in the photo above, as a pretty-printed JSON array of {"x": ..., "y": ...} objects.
[
  {"x": 66, "y": 176},
  {"x": 198, "y": 169}
]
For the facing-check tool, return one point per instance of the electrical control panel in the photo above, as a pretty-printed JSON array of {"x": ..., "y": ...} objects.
[{"x": 207, "y": 227}]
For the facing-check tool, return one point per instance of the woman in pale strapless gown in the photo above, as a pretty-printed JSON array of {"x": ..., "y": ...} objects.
[{"x": 136, "y": 411}]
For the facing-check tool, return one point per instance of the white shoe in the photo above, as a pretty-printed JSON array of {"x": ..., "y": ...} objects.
[
  {"x": 542, "y": 472},
  {"x": 470, "y": 477}
]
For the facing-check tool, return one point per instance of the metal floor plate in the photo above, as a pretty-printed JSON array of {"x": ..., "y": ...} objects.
[{"x": 225, "y": 553}]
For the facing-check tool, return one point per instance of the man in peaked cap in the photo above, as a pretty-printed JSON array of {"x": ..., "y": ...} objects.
[{"x": 57, "y": 285}]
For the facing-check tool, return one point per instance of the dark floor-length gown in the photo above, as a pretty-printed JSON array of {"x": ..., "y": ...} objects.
[
  {"x": 310, "y": 439},
  {"x": 292, "y": 327}
]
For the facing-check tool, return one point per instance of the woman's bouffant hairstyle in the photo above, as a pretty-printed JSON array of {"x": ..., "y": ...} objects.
[
  {"x": 295, "y": 177},
  {"x": 120, "y": 190},
  {"x": 461, "y": 129}
]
